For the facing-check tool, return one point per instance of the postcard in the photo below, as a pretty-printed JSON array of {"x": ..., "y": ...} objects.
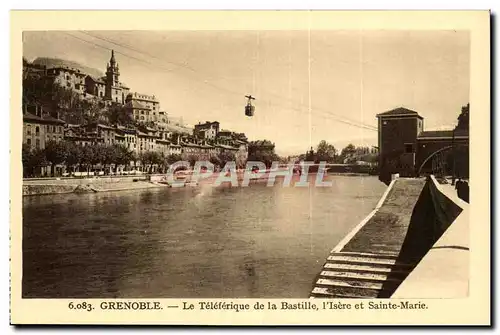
[{"x": 250, "y": 168}]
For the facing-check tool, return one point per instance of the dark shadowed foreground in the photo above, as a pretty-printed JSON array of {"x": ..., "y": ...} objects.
[{"x": 192, "y": 242}]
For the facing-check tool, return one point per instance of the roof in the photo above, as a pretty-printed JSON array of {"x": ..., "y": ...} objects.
[
  {"x": 206, "y": 124},
  {"x": 226, "y": 147},
  {"x": 136, "y": 105},
  {"x": 443, "y": 134},
  {"x": 97, "y": 80},
  {"x": 44, "y": 119},
  {"x": 140, "y": 133},
  {"x": 400, "y": 111},
  {"x": 192, "y": 145}
]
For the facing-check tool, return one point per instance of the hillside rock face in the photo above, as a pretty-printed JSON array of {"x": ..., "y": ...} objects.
[{"x": 55, "y": 62}]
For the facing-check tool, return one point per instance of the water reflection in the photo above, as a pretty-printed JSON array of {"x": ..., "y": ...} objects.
[{"x": 192, "y": 242}]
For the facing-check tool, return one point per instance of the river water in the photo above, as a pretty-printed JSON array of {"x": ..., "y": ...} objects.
[{"x": 193, "y": 242}]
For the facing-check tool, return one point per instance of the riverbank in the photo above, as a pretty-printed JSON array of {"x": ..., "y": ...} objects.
[
  {"x": 50, "y": 186},
  {"x": 91, "y": 185},
  {"x": 376, "y": 257}
]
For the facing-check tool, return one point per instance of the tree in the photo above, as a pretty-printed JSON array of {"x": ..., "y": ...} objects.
[
  {"x": 262, "y": 151},
  {"x": 156, "y": 159},
  {"x": 86, "y": 157},
  {"x": 192, "y": 159},
  {"x": 325, "y": 152},
  {"x": 463, "y": 118},
  {"x": 134, "y": 157},
  {"x": 56, "y": 153},
  {"x": 97, "y": 154},
  {"x": 172, "y": 158},
  {"x": 73, "y": 155},
  {"x": 123, "y": 156},
  {"x": 347, "y": 154},
  {"x": 310, "y": 156},
  {"x": 226, "y": 156},
  {"x": 117, "y": 114},
  {"x": 27, "y": 154},
  {"x": 109, "y": 156}
]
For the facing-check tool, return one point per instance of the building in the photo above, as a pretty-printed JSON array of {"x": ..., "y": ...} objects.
[
  {"x": 78, "y": 135},
  {"x": 40, "y": 127},
  {"x": 95, "y": 86},
  {"x": 115, "y": 91},
  {"x": 143, "y": 108},
  {"x": 69, "y": 78},
  {"x": 406, "y": 149},
  {"x": 208, "y": 130}
]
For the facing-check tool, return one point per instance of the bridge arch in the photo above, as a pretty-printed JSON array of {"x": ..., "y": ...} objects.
[{"x": 448, "y": 147}]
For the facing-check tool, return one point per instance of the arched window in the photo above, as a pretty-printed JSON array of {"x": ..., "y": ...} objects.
[{"x": 37, "y": 130}]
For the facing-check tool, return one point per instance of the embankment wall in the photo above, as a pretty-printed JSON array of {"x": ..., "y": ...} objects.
[
  {"x": 47, "y": 189},
  {"x": 443, "y": 270}
]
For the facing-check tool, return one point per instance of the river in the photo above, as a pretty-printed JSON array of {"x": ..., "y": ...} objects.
[{"x": 194, "y": 242}]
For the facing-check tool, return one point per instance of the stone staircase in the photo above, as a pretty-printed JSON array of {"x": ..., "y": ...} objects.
[{"x": 359, "y": 275}]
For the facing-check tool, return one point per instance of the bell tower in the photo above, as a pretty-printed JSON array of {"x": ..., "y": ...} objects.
[
  {"x": 112, "y": 71},
  {"x": 113, "y": 88}
]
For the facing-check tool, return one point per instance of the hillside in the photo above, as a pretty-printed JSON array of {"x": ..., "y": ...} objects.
[{"x": 54, "y": 62}]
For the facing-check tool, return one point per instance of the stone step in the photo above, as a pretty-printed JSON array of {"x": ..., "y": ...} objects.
[
  {"x": 348, "y": 283},
  {"x": 388, "y": 255},
  {"x": 325, "y": 292},
  {"x": 354, "y": 275},
  {"x": 373, "y": 261},
  {"x": 357, "y": 267},
  {"x": 365, "y": 268},
  {"x": 361, "y": 260}
]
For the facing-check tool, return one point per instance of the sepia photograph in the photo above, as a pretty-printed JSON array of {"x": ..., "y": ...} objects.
[{"x": 311, "y": 164}]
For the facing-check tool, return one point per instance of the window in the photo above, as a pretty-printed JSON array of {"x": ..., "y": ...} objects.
[
  {"x": 37, "y": 130},
  {"x": 28, "y": 130},
  {"x": 37, "y": 143},
  {"x": 53, "y": 129},
  {"x": 100, "y": 93},
  {"x": 28, "y": 141},
  {"x": 408, "y": 148}
]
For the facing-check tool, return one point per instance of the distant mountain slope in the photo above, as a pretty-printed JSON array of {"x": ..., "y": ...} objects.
[{"x": 54, "y": 62}]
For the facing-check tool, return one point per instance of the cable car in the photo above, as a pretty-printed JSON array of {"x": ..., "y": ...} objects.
[{"x": 249, "y": 108}]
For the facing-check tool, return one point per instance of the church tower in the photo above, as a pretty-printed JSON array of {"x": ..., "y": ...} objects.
[{"x": 113, "y": 87}]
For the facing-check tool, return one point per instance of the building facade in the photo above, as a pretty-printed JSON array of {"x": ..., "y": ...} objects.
[
  {"x": 39, "y": 127},
  {"x": 406, "y": 149},
  {"x": 208, "y": 130},
  {"x": 143, "y": 107}
]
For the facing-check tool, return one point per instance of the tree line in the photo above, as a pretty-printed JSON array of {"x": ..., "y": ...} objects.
[
  {"x": 326, "y": 152},
  {"x": 106, "y": 157}
]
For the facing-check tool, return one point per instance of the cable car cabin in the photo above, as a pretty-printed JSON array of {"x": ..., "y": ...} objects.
[{"x": 249, "y": 110}]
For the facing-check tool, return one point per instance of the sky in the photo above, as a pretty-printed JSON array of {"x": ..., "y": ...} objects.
[{"x": 309, "y": 85}]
